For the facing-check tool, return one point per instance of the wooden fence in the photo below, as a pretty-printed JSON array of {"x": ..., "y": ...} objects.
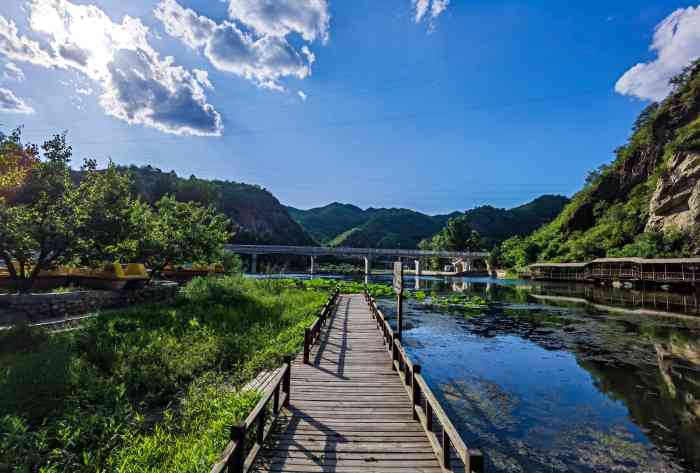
[
  {"x": 443, "y": 436},
  {"x": 312, "y": 333},
  {"x": 239, "y": 456}
]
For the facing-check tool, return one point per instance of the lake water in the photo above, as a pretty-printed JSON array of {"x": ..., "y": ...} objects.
[{"x": 563, "y": 377}]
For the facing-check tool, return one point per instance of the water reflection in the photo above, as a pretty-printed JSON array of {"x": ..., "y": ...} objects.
[{"x": 547, "y": 378}]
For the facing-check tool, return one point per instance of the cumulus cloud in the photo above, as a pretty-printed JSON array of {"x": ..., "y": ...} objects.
[
  {"x": 21, "y": 48},
  {"x": 9, "y": 102},
  {"x": 262, "y": 59},
  {"x": 138, "y": 86},
  {"x": 192, "y": 29},
  {"x": 302, "y": 95},
  {"x": 429, "y": 9},
  {"x": 309, "y": 18},
  {"x": 676, "y": 43},
  {"x": 12, "y": 72}
]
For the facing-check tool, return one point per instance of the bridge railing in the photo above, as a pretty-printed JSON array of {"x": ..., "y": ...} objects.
[
  {"x": 441, "y": 433},
  {"x": 312, "y": 333},
  {"x": 329, "y": 251},
  {"x": 239, "y": 456}
]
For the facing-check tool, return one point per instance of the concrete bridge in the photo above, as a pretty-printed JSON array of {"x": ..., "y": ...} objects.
[{"x": 465, "y": 258}]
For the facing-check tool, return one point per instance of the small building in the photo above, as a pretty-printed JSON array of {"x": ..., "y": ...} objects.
[
  {"x": 558, "y": 271},
  {"x": 672, "y": 270},
  {"x": 659, "y": 270}
]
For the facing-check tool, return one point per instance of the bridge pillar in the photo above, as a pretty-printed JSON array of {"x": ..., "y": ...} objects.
[
  {"x": 368, "y": 265},
  {"x": 312, "y": 270},
  {"x": 418, "y": 268},
  {"x": 253, "y": 263}
]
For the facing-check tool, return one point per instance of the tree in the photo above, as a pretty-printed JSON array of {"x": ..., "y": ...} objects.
[
  {"x": 49, "y": 219},
  {"x": 16, "y": 161},
  {"x": 175, "y": 232},
  {"x": 457, "y": 235}
]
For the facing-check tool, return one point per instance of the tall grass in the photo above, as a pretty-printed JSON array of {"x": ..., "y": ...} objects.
[{"x": 152, "y": 388}]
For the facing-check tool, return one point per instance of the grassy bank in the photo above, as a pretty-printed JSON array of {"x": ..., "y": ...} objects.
[{"x": 147, "y": 389}]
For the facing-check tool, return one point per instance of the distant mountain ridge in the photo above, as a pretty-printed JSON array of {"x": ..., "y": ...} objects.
[{"x": 339, "y": 224}]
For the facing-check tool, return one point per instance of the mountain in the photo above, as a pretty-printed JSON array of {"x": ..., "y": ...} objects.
[
  {"x": 325, "y": 223},
  {"x": 496, "y": 225},
  {"x": 347, "y": 225},
  {"x": 258, "y": 215},
  {"x": 390, "y": 228},
  {"x": 645, "y": 203}
]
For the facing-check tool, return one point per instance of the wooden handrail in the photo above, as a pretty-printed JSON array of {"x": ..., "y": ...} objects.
[
  {"x": 237, "y": 457},
  {"x": 426, "y": 407},
  {"x": 312, "y": 332}
]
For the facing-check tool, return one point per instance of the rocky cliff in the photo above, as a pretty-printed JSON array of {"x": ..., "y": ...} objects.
[
  {"x": 675, "y": 203},
  {"x": 645, "y": 203}
]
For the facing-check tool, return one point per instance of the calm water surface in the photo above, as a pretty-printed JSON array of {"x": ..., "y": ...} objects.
[
  {"x": 542, "y": 383},
  {"x": 563, "y": 378}
]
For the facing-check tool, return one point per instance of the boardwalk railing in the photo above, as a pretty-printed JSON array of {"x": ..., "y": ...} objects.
[
  {"x": 238, "y": 457},
  {"x": 312, "y": 333},
  {"x": 443, "y": 436}
]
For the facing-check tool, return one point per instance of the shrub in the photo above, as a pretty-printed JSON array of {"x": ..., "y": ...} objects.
[
  {"x": 21, "y": 338},
  {"x": 36, "y": 383}
]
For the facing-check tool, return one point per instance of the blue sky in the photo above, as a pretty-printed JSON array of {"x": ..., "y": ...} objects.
[{"x": 433, "y": 105}]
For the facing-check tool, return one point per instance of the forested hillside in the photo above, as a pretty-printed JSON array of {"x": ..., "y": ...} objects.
[
  {"x": 645, "y": 203},
  {"x": 258, "y": 215},
  {"x": 496, "y": 225},
  {"x": 346, "y": 225},
  {"x": 325, "y": 223}
]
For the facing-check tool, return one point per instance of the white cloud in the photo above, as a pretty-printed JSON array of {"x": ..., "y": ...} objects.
[
  {"x": 676, "y": 43},
  {"x": 192, "y": 29},
  {"x": 9, "y": 102},
  {"x": 12, "y": 72},
  {"x": 21, "y": 48},
  {"x": 84, "y": 90},
  {"x": 429, "y": 9},
  {"x": 138, "y": 86},
  {"x": 203, "y": 78},
  {"x": 263, "y": 60},
  {"x": 309, "y": 18},
  {"x": 302, "y": 95}
]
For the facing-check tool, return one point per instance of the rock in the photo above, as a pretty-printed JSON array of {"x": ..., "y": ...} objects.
[{"x": 676, "y": 200}]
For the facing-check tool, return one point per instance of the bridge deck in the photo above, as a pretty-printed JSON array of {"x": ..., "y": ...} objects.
[{"x": 349, "y": 411}]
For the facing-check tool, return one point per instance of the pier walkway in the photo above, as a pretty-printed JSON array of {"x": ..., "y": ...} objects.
[{"x": 349, "y": 411}]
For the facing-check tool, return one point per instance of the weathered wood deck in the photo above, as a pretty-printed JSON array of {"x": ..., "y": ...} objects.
[{"x": 349, "y": 411}]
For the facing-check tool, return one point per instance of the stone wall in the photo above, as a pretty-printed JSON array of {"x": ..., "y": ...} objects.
[{"x": 34, "y": 308}]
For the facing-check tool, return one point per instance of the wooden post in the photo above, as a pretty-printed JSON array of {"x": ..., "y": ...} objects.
[
  {"x": 307, "y": 345},
  {"x": 428, "y": 416},
  {"x": 394, "y": 353},
  {"x": 276, "y": 400},
  {"x": 398, "y": 289},
  {"x": 399, "y": 315},
  {"x": 415, "y": 391},
  {"x": 262, "y": 419},
  {"x": 287, "y": 382},
  {"x": 445, "y": 449},
  {"x": 237, "y": 459}
]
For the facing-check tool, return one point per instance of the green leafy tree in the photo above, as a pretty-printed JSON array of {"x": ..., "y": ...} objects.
[
  {"x": 50, "y": 219},
  {"x": 175, "y": 232},
  {"x": 457, "y": 235},
  {"x": 16, "y": 161}
]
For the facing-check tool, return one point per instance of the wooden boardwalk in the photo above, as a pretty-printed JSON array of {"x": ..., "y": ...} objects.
[{"x": 349, "y": 410}]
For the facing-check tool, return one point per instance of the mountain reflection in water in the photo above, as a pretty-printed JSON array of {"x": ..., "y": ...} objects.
[{"x": 542, "y": 380}]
